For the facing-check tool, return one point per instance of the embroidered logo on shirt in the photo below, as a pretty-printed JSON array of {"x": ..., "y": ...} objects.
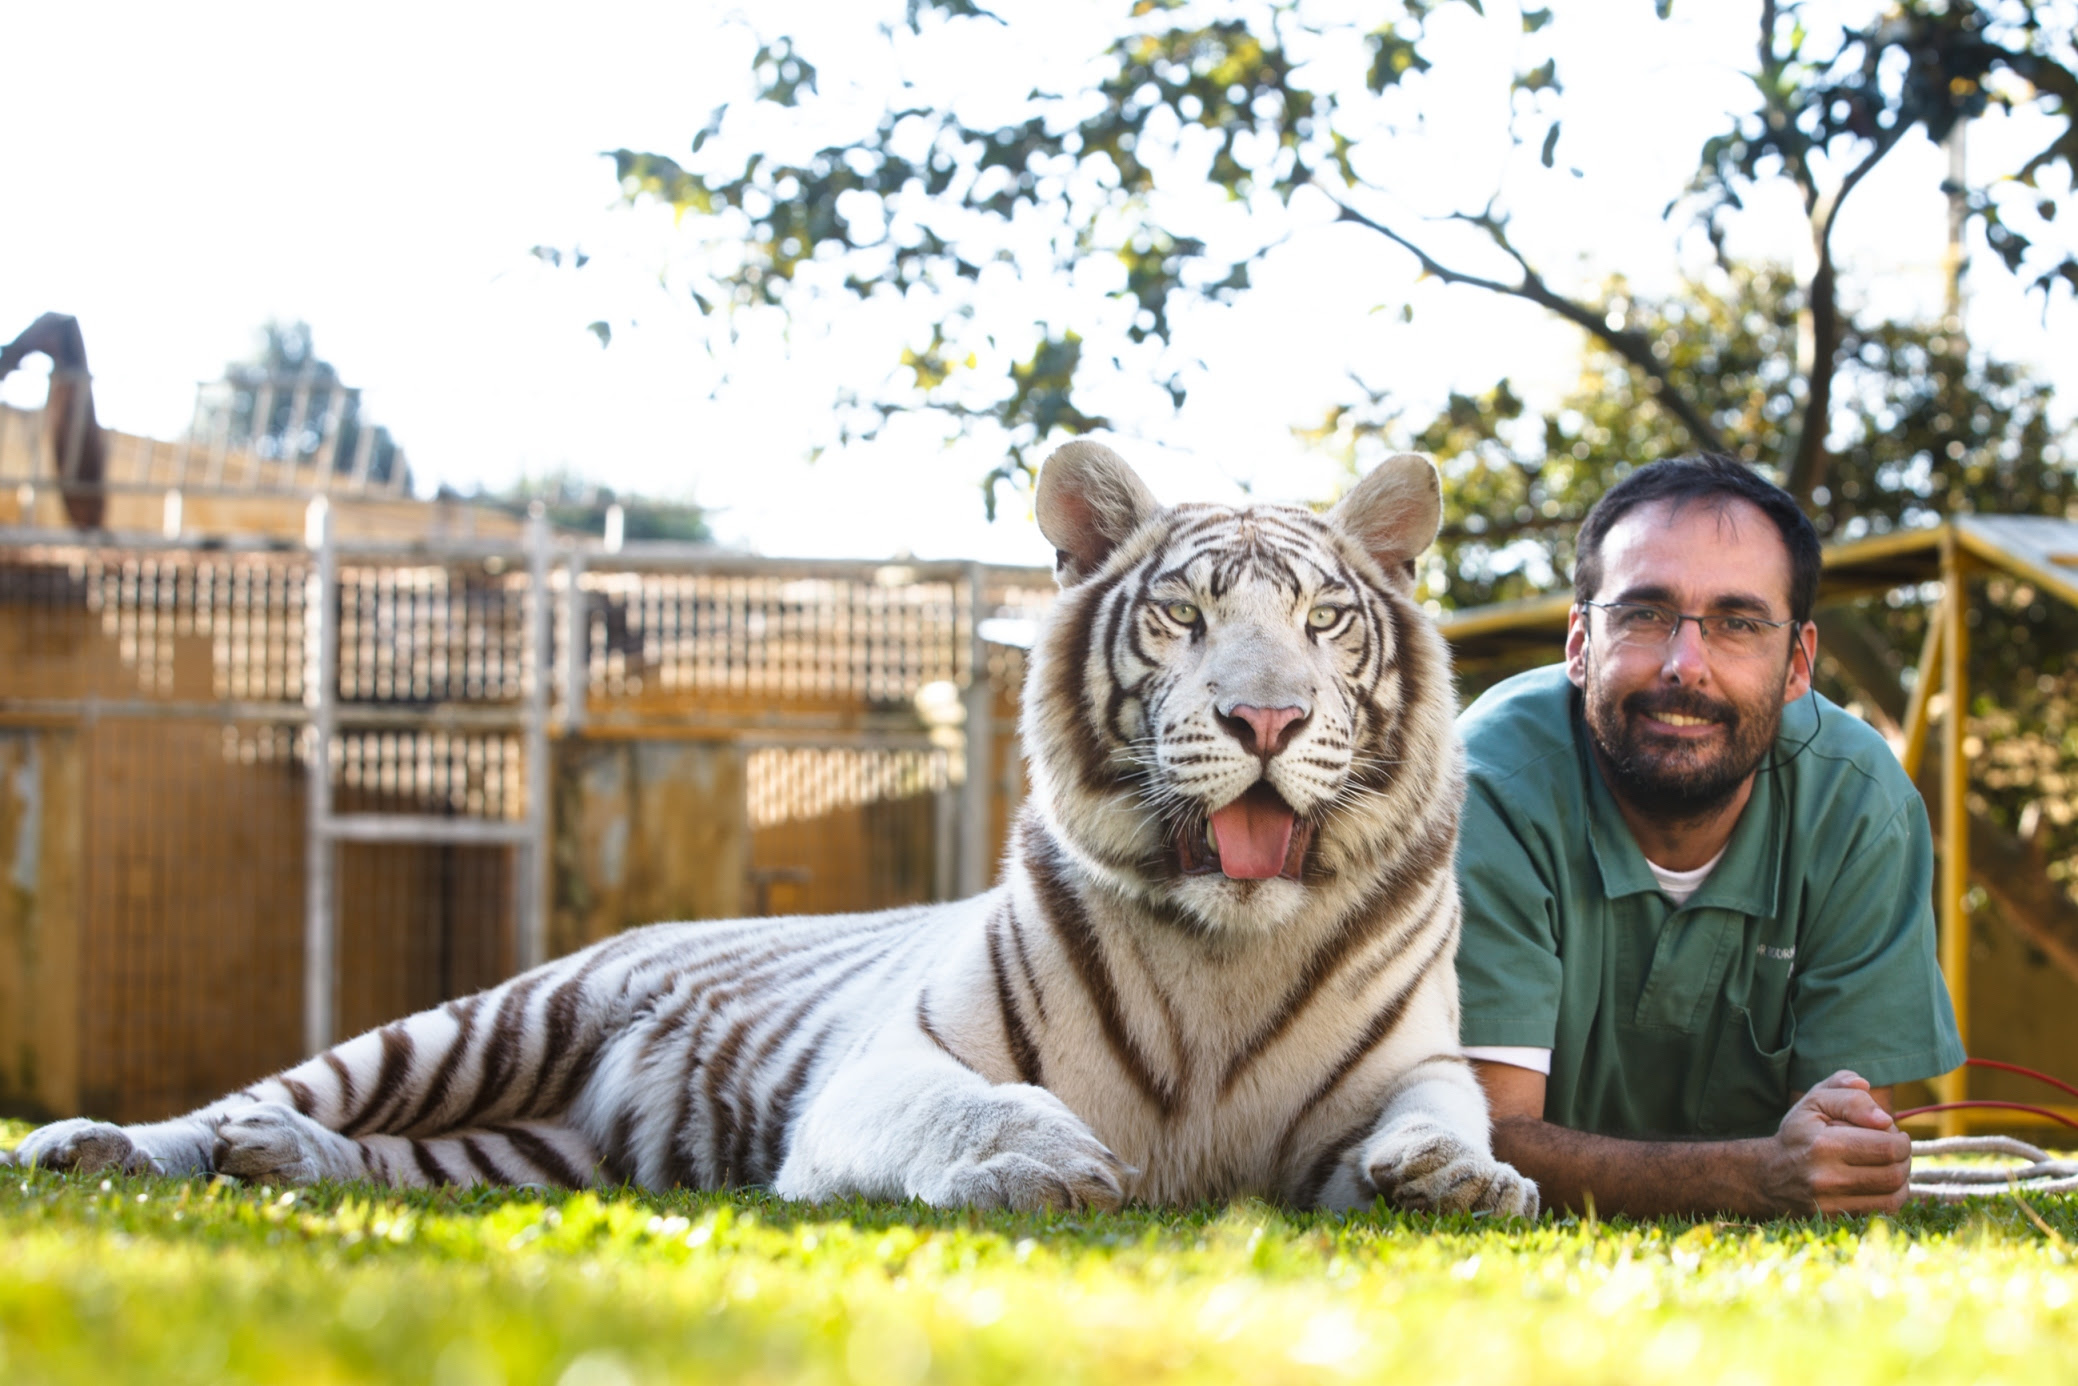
[{"x": 1778, "y": 954}]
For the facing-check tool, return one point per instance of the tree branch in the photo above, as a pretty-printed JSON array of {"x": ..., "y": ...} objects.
[
  {"x": 1499, "y": 533},
  {"x": 1808, "y": 459},
  {"x": 1632, "y": 347}
]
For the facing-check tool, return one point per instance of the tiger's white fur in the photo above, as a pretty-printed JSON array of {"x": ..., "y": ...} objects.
[{"x": 1122, "y": 1019}]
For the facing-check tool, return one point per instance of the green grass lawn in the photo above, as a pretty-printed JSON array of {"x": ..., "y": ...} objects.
[{"x": 166, "y": 1280}]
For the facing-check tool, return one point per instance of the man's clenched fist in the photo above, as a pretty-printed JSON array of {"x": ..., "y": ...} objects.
[{"x": 1838, "y": 1151}]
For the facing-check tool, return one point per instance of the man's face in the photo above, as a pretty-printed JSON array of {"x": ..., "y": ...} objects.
[{"x": 1680, "y": 727}]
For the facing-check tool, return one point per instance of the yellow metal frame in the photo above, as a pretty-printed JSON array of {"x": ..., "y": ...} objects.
[
  {"x": 1955, "y": 813},
  {"x": 1966, "y": 548}
]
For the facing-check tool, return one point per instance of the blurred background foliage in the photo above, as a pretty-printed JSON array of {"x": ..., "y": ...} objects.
[
  {"x": 1873, "y": 424},
  {"x": 1921, "y": 425},
  {"x": 1244, "y": 98}
]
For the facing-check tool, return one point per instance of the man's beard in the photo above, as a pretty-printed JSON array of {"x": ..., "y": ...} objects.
[{"x": 1670, "y": 779}]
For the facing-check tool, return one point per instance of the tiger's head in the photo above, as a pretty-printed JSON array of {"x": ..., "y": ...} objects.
[{"x": 1237, "y": 714}]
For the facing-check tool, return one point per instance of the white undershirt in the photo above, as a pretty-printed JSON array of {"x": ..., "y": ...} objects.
[
  {"x": 1676, "y": 886},
  {"x": 1679, "y": 885}
]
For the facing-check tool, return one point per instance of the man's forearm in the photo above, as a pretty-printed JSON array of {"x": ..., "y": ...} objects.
[
  {"x": 1640, "y": 1179},
  {"x": 1837, "y": 1151}
]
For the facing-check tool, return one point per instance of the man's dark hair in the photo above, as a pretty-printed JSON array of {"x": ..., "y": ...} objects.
[{"x": 1701, "y": 477}]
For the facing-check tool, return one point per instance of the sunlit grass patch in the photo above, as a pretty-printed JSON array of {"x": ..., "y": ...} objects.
[{"x": 173, "y": 1280}]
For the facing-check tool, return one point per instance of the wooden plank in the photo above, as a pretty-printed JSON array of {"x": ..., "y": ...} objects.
[
  {"x": 190, "y": 932},
  {"x": 1929, "y": 679},
  {"x": 644, "y": 831},
  {"x": 40, "y": 872},
  {"x": 2035, "y": 547}
]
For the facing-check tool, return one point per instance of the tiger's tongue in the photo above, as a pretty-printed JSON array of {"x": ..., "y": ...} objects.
[{"x": 1253, "y": 834}]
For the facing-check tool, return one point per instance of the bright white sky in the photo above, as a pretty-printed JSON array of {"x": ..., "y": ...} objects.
[{"x": 174, "y": 175}]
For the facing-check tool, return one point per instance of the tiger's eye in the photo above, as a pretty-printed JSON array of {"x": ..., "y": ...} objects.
[
  {"x": 1182, "y": 613},
  {"x": 1321, "y": 617}
]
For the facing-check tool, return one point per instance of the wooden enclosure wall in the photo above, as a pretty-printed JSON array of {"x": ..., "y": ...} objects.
[
  {"x": 755, "y": 746},
  {"x": 645, "y": 831},
  {"x": 151, "y": 936},
  {"x": 193, "y": 869},
  {"x": 40, "y": 861},
  {"x": 154, "y": 762}
]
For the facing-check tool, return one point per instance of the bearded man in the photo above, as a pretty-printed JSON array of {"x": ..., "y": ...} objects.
[{"x": 1699, "y": 942}]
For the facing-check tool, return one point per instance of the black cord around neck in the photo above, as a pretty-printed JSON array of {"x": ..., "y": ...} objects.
[{"x": 1817, "y": 724}]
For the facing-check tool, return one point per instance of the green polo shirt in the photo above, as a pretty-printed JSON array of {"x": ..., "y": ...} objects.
[{"x": 1809, "y": 949}]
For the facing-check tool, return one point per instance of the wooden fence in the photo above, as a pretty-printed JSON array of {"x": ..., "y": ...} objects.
[{"x": 527, "y": 744}]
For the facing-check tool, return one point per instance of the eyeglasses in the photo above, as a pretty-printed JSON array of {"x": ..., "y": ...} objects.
[{"x": 1643, "y": 626}]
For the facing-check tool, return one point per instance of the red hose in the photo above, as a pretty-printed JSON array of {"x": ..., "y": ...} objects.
[
  {"x": 2023, "y": 1072},
  {"x": 2003, "y": 1067},
  {"x": 1982, "y": 1102}
]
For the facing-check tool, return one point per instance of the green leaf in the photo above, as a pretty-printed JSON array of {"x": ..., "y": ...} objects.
[
  {"x": 951, "y": 9},
  {"x": 782, "y": 73},
  {"x": 1551, "y": 138},
  {"x": 602, "y": 330},
  {"x": 1543, "y": 77},
  {"x": 1393, "y": 56}
]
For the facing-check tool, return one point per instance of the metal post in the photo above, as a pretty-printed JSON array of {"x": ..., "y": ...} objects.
[
  {"x": 577, "y": 646},
  {"x": 219, "y": 446},
  {"x": 187, "y": 441},
  {"x": 328, "y": 437},
  {"x": 291, "y": 469},
  {"x": 1955, "y": 813},
  {"x": 946, "y": 846},
  {"x": 979, "y": 699},
  {"x": 532, "y": 941},
  {"x": 364, "y": 447},
  {"x": 320, "y": 692},
  {"x": 263, "y": 419}
]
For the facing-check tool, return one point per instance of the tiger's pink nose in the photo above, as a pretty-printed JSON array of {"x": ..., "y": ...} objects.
[{"x": 1264, "y": 731}]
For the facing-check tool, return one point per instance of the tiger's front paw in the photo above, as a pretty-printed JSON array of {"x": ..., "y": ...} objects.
[
  {"x": 1425, "y": 1168},
  {"x": 1030, "y": 1154},
  {"x": 273, "y": 1142},
  {"x": 81, "y": 1146}
]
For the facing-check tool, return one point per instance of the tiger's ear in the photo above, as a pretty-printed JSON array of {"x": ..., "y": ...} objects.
[
  {"x": 1394, "y": 513},
  {"x": 1089, "y": 500}
]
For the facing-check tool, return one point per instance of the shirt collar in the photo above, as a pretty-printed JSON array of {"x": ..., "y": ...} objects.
[{"x": 1748, "y": 880}]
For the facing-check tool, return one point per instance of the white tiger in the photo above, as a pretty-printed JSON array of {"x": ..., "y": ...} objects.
[{"x": 1220, "y": 963}]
